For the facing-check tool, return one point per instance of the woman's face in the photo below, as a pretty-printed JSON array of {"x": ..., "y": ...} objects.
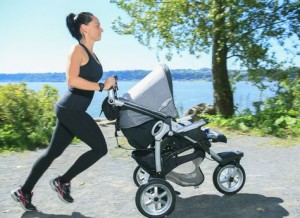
[{"x": 93, "y": 29}]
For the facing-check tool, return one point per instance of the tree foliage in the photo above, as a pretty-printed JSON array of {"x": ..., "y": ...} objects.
[
  {"x": 26, "y": 117},
  {"x": 240, "y": 30}
]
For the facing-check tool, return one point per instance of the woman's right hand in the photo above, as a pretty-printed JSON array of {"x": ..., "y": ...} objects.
[{"x": 110, "y": 82}]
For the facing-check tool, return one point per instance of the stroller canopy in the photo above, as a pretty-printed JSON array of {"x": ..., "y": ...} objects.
[{"x": 155, "y": 91}]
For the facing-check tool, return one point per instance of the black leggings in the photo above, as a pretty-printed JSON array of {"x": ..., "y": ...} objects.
[{"x": 68, "y": 125}]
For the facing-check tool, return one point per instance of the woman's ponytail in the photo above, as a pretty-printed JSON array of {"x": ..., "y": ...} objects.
[{"x": 74, "y": 22}]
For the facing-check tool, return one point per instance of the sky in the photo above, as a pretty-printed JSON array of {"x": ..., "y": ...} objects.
[{"x": 34, "y": 39}]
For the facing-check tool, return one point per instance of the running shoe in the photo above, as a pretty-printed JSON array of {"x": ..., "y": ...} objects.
[
  {"x": 62, "y": 189},
  {"x": 24, "y": 199}
]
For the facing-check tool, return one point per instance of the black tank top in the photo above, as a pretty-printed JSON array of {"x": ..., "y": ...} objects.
[{"x": 77, "y": 99}]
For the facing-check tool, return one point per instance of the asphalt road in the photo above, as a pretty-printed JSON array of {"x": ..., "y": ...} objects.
[{"x": 106, "y": 190}]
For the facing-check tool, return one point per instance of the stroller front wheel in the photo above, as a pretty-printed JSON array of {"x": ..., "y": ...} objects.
[
  {"x": 140, "y": 176},
  {"x": 155, "y": 198},
  {"x": 229, "y": 179}
]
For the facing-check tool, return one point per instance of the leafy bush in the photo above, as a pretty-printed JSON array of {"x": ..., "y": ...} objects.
[
  {"x": 27, "y": 117},
  {"x": 278, "y": 115}
]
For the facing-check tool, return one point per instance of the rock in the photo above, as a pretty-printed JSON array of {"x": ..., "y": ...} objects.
[{"x": 201, "y": 108}]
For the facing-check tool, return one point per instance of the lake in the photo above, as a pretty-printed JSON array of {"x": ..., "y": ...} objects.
[{"x": 186, "y": 94}]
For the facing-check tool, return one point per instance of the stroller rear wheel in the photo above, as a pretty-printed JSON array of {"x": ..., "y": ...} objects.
[
  {"x": 229, "y": 179},
  {"x": 155, "y": 198},
  {"x": 140, "y": 176}
]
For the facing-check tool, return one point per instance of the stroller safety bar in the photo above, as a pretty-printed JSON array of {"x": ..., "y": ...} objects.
[{"x": 192, "y": 126}]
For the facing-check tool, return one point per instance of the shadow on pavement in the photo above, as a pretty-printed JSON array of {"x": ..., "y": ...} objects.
[
  {"x": 39, "y": 214},
  {"x": 239, "y": 205}
]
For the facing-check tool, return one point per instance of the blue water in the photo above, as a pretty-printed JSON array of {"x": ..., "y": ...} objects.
[{"x": 186, "y": 94}]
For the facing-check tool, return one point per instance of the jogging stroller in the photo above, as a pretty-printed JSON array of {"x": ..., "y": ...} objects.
[{"x": 147, "y": 116}]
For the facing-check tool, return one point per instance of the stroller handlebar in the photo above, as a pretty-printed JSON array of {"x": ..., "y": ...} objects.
[
  {"x": 111, "y": 96},
  {"x": 112, "y": 92}
]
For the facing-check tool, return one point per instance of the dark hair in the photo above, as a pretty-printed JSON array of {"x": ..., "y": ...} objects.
[{"x": 74, "y": 22}]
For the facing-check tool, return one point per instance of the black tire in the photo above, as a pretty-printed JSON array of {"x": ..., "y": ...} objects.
[
  {"x": 227, "y": 183},
  {"x": 156, "y": 198},
  {"x": 140, "y": 176}
]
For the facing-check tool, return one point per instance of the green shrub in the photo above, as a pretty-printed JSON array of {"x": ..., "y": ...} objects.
[
  {"x": 27, "y": 117},
  {"x": 278, "y": 116}
]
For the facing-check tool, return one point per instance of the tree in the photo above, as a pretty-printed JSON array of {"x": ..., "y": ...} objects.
[{"x": 240, "y": 30}]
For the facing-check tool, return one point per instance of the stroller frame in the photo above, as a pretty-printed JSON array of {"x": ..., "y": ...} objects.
[
  {"x": 170, "y": 127},
  {"x": 167, "y": 126}
]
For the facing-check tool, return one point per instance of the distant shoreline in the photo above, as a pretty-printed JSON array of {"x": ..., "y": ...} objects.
[{"x": 124, "y": 75}]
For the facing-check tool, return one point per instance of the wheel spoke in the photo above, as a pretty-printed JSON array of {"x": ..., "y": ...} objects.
[
  {"x": 223, "y": 180},
  {"x": 157, "y": 206},
  {"x": 149, "y": 195},
  {"x": 223, "y": 174},
  {"x": 229, "y": 172},
  {"x": 162, "y": 194},
  {"x": 163, "y": 202},
  {"x": 236, "y": 180},
  {"x": 155, "y": 191},
  {"x": 149, "y": 202}
]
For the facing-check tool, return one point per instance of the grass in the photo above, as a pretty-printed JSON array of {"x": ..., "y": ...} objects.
[
  {"x": 272, "y": 140},
  {"x": 120, "y": 152}
]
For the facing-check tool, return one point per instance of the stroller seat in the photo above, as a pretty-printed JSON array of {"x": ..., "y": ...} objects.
[{"x": 139, "y": 128}]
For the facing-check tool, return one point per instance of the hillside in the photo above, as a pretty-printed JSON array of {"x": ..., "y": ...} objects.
[{"x": 177, "y": 74}]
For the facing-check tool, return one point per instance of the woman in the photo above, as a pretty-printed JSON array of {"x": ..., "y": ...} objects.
[{"x": 83, "y": 73}]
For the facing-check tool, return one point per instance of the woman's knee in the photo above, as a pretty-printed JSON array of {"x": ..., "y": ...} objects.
[
  {"x": 100, "y": 150},
  {"x": 52, "y": 153}
]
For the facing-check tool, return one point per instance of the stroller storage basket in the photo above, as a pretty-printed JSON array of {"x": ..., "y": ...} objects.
[
  {"x": 146, "y": 159},
  {"x": 170, "y": 160}
]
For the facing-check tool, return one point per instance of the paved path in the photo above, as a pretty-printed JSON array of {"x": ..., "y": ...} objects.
[{"x": 106, "y": 190}]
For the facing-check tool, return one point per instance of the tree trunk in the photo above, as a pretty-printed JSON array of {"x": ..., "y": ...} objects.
[{"x": 223, "y": 97}]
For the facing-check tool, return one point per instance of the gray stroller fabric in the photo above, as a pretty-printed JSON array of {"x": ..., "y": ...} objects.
[{"x": 155, "y": 91}]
